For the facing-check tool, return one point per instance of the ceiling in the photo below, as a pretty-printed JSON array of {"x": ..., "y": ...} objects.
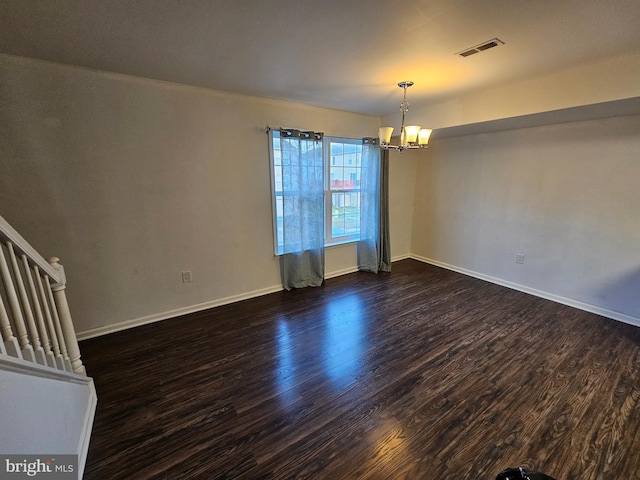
[{"x": 340, "y": 54}]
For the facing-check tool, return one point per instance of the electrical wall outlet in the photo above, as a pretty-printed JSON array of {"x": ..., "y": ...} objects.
[
  {"x": 520, "y": 258},
  {"x": 186, "y": 276}
]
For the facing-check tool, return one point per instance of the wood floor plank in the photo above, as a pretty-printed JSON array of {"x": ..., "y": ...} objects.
[{"x": 420, "y": 373}]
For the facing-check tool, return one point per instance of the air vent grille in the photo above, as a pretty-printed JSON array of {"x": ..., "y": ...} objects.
[
  {"x": 487, "y": 46},
  {"x": 468, "y": 52},
  {"x": 494, "y": 42}
]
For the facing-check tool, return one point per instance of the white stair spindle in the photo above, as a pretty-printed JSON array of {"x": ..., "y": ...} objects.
[
  {"x": 35, "y": 328},
  {"x": 14, "y": 306},
  {"x": 66, "y": 322},
  {"x": 56, "y": 324},
  {"x": 10, "y": 344},
  {"x": 46, "y": 307},
  {"x": 46, "y": 343},
  {"x": 32, "y": 332}
]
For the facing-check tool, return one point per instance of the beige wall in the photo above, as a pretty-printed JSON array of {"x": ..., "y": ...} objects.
[
  {"x": 566, "y": 196},
  {"x": 402, "y": 180},
  {"x": 608, "y": 80},
  {"x": 130, "y": 181}
]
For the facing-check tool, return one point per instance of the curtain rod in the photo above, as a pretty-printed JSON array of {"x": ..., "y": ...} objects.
[
  {"x": 370, "y": 140},
  {"x": 268, "y": 128}
]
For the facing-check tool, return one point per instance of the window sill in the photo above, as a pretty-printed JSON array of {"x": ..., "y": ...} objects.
[{"x": 341, "y": 243}]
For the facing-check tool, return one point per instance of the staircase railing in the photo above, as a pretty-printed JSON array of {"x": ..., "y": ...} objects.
[{"x": 35, "y": 321}]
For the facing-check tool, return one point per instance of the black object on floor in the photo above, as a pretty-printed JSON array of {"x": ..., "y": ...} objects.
[{"x": 522, "y": 474}]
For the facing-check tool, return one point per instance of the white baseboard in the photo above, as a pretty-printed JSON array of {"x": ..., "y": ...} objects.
[
  {"x": 116, "y": 327},
  {"x": 136, "y": 322},
  {"x": 621, "y": 317},
  {"x": 157, "y": 317},
  {"x": 341, "y": 272}
]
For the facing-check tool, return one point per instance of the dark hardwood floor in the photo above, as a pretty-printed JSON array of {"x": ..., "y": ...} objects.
[{"x": 421, "y": 373}]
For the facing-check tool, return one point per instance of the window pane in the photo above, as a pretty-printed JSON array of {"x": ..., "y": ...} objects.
[
  {"x": 336, "y": 174},
  {"x": 337, "y": 202},
  {"x": 351, "y": 178},
  {"x": 337, "y": 227},
  {"x": 279, "y": 223},
  {"x": 337, "y": 154},
  {"x": 351, "y": 148},
  {"x": 352, "y": 213},
  {"x": 277, "y": 178}
]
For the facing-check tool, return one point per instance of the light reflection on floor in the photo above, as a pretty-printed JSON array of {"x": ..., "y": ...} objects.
[
  {"x": 339, "y": 344},
  {"x": 344, "y": 339},
  {"x": 286, "y": 363}
]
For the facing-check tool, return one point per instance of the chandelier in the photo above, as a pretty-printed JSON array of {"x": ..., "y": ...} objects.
[{"x": 411, "y": 136}]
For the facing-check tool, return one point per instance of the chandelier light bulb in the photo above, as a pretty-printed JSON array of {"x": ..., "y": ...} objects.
[
  {"x": 423, "y": 136},
  {"x": 412, "y": 133},
  {"x": 384, "y": 133}
]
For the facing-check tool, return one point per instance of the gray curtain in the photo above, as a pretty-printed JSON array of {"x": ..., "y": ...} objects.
[
  {"x": 302, "y": 261},
  {"x": 374, "y": 253},
  {"x": 384, "y": 246},
  {"x": 302, "y": 269}
]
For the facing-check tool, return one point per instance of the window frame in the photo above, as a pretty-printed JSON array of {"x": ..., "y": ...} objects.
[
  {"x": 329, "y": 239},
  {"x": 278, "y": 248}
]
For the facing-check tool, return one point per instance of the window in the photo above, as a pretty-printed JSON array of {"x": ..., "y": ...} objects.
[
  {"x": 342, "y": 190},
  {"x": 342, "y": 173}
]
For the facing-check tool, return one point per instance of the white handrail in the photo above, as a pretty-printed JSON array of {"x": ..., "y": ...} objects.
[{"x": 9, "y": 234}]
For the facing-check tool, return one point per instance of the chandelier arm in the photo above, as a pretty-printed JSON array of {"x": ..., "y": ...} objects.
[
  {"x": 404, "y": 108},
  {"x": 402, "y": 129}
]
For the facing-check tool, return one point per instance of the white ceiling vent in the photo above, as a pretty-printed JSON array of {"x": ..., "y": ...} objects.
[{"x": 494, "y": 42}]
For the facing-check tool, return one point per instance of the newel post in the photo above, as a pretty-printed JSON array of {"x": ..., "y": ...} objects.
[{"x": 68, "y": 330}]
